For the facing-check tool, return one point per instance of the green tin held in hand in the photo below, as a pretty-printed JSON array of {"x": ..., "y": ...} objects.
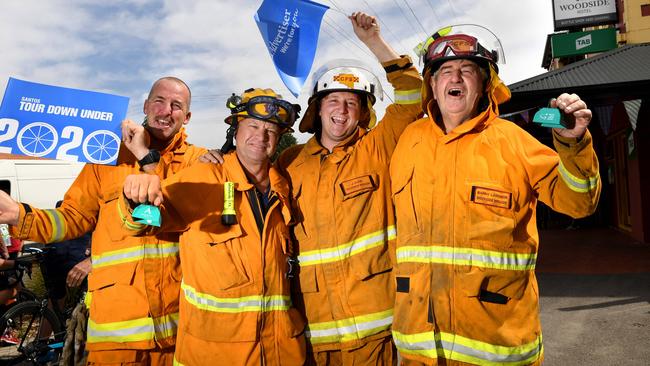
[
  {"x": 550, "y": 117},
  {"x": 147, "y": 214}
]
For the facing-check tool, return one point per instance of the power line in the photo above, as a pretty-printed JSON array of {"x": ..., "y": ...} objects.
[
  {"x": 336, "y": 6},
  {"x": 433, "y": 10},
  {"x": 346, "y": 37},
  {"x": 416, "y": 17},
  {"x": 401, "y": 9},
  {"x": 452, "y": 9},
  {"x": 385, "y": 26}
]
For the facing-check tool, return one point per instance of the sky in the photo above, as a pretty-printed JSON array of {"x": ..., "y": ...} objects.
[{"x": 122, "y": 46}]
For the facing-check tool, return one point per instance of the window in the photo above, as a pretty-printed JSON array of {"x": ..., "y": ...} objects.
[
  {"x": 645, "y": 10},
  {"x": 5, "y": 186}
]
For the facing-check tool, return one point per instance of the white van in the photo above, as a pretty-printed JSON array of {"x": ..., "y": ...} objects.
[{"x": 38, "y": 182}]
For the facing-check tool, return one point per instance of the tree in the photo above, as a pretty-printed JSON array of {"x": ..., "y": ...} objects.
[{"x": 286, "y": 140}]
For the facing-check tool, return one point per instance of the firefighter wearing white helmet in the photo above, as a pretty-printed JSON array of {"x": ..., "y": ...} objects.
[
  {"x": 465, "y": 184},
  {"x": 343, "y": 75},
  {"x": 343, "y": 217}
]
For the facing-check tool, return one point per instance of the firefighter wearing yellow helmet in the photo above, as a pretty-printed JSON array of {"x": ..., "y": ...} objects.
[
  {"x": 235, "y": 306},
  {"x": 259, "y": 104},
  {"x": 465, "y": 184},
  {"x": 344, "y": 219}
]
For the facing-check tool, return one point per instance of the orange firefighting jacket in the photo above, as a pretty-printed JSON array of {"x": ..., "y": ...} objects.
[
  {"x": 345, "y": 225},
  {"x": 467, "y": 235},
  {"x": 235, "y": 306},
  {"x": 134, "y": 284}
]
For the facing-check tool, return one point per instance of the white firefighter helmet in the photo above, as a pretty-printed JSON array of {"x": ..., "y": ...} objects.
[{"x": 342, "y": 75}]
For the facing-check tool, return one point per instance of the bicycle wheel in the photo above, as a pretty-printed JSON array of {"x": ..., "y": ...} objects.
[
  {"x": 37, "y": 139},
  {"x": 19, "y": 329},
  {"x": 101, "y": 146}
]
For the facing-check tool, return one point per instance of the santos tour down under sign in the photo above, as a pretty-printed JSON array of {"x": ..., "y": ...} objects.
[{"x": 61, "y": 123}]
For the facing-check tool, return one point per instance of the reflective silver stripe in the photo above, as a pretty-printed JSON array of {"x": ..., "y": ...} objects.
[
  {"x": 347, "y": 250},
  {"x": 128, "y": 331},
  {"x": 237, "y": 304},
  {"x": 135, "y": 254},
  {"x": 133, "y": 330},
  {"x": 466, "y": 256},
  {"x": 58, "y": 226},
  {"x": 148, "y": 329},
  {"x": 166, "y": 326},
  {"x": 413, "y": 96},
  {"x": 577, "y": 184},
  {"x": 349, "y": 329},
  {"x": 455, "y": 347}
]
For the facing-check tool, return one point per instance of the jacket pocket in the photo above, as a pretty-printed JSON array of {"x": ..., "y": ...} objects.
[
  {"x": 374, "y": 260},
  {"x": 211, "y": 326},
  {"x": 406, "y": 203},
  {"x": 223, "y": 255},
  {"x": 297, "y": 223},
  {"x": 414, "y": 312},
  {"x": 110, "y": 213},
  {"x": 490, "y": 210},
  {"x": 307, "y": 280},
  {"x": 122, "y": 274},
  {"x": 292, "y": 322},
  {"x": 116, "y": 294},
  {"x": 494, "y": 286}
]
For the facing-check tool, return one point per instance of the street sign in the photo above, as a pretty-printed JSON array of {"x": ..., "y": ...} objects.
[{"x": 580, "y": 43}]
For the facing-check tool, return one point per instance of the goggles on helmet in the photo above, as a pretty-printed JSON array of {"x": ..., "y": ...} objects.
[
  {"x": 270, "y": 109},
  {"x": 458, "y": 41},
  {"x": 458, "y": 45}
]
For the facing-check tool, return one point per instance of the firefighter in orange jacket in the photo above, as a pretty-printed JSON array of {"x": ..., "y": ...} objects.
[
  {"x": 465, "y": 200},
  {"x": 134, "y": 284},
  {"x": 235, "y": 306},
  {"x": 345, "y": 224}
]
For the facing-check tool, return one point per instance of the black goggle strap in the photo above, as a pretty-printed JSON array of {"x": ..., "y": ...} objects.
[{"x": 274, "y": 116}]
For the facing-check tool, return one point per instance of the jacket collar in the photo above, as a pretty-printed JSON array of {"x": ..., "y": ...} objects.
[
  {"x": 476, "y": 124},
  {"x": 314, "y": 147},
  {"x": 235, "y": 173}
]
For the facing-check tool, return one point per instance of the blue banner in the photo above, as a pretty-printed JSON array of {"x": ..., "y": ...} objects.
[
  {"x": 61, "y": 123},
  {"x": 290, "y": 31}
]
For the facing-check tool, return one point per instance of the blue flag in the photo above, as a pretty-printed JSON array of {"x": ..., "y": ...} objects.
[
  {"x": 290, "y": 31},
  {"x": 61, "y": 123}
]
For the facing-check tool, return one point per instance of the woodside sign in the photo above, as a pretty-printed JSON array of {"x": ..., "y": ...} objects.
[{"x": 583, "y": 13}]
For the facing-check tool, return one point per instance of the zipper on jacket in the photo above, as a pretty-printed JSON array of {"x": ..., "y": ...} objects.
[{"x": 452, "y": 277}]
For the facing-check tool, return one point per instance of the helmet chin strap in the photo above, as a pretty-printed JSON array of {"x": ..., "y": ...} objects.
[{"x": 229, "y": 145}]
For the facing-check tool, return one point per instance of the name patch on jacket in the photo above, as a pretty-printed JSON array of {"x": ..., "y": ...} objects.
[
  {"x": 491, "y": 197},
  {"x": 359, "y": 184}
]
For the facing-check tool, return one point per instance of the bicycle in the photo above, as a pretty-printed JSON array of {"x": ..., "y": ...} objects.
[
  {"x": 15, "y": 280},
  {"x": 40, "y": 331}
]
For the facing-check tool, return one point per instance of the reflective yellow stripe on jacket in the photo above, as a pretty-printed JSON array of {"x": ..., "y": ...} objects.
[
  {"x": 577, "y": 184},
  {"x": 466, "y": 256},
  {"x": 344, "y": 251},
  {"x": 349, "y": 329},
  {"x": 135, "y": 254},
  {"x": 142, "y": 329},
  {"x": 208, "y": 302},
  {"x": 58, "y": 225},
  {"x": 455, "y": 347},
  {"x": 413, "y": 96}
]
